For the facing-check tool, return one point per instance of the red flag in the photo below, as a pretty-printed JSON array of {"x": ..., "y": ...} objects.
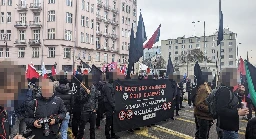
[
  {"x": 85, "y": 71},
  {"x": 241, "y": 67},
  {"x": 153, "y": 39},
  {"x": 148, "y": 70},
  {"x": 53, "y": 71},
  {"x": 31, "y": 72}
]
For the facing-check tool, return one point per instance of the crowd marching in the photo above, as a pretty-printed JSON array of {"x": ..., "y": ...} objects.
[{"x": 48, "y": 107}]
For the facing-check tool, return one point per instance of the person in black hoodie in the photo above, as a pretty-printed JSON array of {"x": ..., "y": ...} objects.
[
  {"x": 251, "y": 129},
  {"x": 227, "y": 107},
  {"x": 63, "y": 91},
  {"x": 48, "y": 108},
  {"x": 89, "y": 101}
]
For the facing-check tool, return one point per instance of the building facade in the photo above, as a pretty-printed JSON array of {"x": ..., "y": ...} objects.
[
  {"x": 148, "y": 53},
  {"x": 177, "y": 47},
  {"x": 49, "y": 31}
]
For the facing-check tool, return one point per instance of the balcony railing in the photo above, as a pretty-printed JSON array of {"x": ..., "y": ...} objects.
[
  {"x": 115, "y": 23},
  {"x": 22, "y": 7},
  {"x": 21, "y": 24},
  {"x": 114, "y": 36},
  {"x": 98, "y": 33},
  {"x": 35, "y": 6},
  {"x": 35, "y": 24},
  {"x": 115, "y": 10},
  {"x": 34, "y": 42},
  {"x": 20, "y": 42},
  {"x": 100, "y": 4},
  {"x": 106, "y": 7}
]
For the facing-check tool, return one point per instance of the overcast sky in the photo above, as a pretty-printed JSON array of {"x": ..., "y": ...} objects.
[{"x": 176, "y": 17}]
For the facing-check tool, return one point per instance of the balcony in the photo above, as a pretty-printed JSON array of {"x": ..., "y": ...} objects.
[
  {"x": 100, "y": 4},
  {"x": 98, "y": 18},
  {"x": 20, "y": 42},
  {"x": 107, "y": 8},
  {"x": 114, "y": 36},
  {"x": 115, "y": 10},
  {"x": 20, "y": 24},
  {"x": 107, "y": 35},
  {"x": 34, "y": 42},
  {"x": 98, "y": 33},
  {"x": 134, "y": 2},
  {"x": 35, "y": 24},
  {"x": 35, "y": 7},
  {"x": 114, "y": 23},
  {"x": 107, "y": 21},
  {"x": 22, "y": 7}
]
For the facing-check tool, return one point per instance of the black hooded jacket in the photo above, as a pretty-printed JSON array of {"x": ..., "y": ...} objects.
[
  {"x": 89, "y": 101},
  {"x": 63, "y": 91}
]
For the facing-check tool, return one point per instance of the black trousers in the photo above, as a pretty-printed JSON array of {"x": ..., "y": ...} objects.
[
  {"x": 100, "y": 112},
  {"x": 189, "y": 98},
  {"x": 109, "y": 131},
  {"x": 181, "y": 100},
  {"x": 75, "y": 122},
  {"x": 197, "y": 128},
  {"x": 204, "y": 128},
  {"x": 87, "y": 117},
  {"x": 177, "y": 104}
]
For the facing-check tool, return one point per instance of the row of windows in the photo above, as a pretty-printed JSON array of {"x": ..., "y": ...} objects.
[
  {"x": 213, "y": 52},
  {"x": 107, "y": 44},
  {"x": 198, "y": 45},
  {"x": 9, "y": 2}
]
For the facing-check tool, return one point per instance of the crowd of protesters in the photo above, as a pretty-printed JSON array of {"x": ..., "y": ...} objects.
[{"x": 47, "y": 108}]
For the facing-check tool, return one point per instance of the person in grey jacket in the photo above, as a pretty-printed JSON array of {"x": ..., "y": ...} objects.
[{"x": 89, "y": 101}]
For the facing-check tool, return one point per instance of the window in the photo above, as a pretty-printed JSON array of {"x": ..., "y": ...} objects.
[
  {"x": 114, "y": 4},
  {"x": 8, "y": 35},
  {"x": 92, "y": 23},
  {"x": 190, "y": 46},
  {"x": 106, "y": 15},
  {"x": 97, "y": 26},
  {"x": 213, "y": 44},
  {"x": 176, "y": 52},
  {"x": 230, "y": 63},
  {"x": 230, "y": 56},
  {"x": 113, "y": 45},
  {"x": 21, "y": 52},
  {"x": 35, "y": 51},
  {"x": 82, "y": 21},
  {"x": 123, "y": 7},
  {"x": 134, "y": 12},
  {"x": 230, "y": 43},
  {"x": 68, "y": 35},
  {"x": 97, "y": 42},
  {"x": 87, "y": 6},
  {"x": 183, "y": 46},
  {"x": 213, "y": 51},
  {"x": 231, "y": 37},
  {"x": 125, "y": 45},
  {"x": 1, "y": 52},
  {"x": 23, "y": 3},
  {"x": 230, "y": 49},
  {"x": 22, "y": 35},
  {"x": 122, "y": 32},
  {"x": 51, "y": 1},
  {"x": 82, "y": 37},
  {"x": 176, "y": 58},
  {"x": 176, "y": 47},
  {"x": 2, "y": 2},
  {"x": 222, "y": 44},
  {"x": 9, "y": 17},
  {"x": 106, "y": 42},
  {"x": 87, "y": 21},
  {"x": 2, "y": 17},
  {"x": 170, "y": 47},
  {"x": 69, "y": 3},
  {"x": 106, "y": 29},
  {"x": 106, "y": 57},
  {"x": 67, "y": 52},
  {"x": 197, "y": 45},
  {"x": 125, "y": 33},
  {"x": 222, "y": 56},
  {"x": 213, "y": 57},
  {"x": 9, "y": 2},
  {"x": 98, "y": 56},
  {"x": 36, "y": 17},
  {"x": 122, "y": 45},
  {"x": 92, "y": 8},
  {"x": 23, "y": 18},
  {"x": 68, "y": 17},
  {"x": 2, "y": 35},
  {"x": 36, "y": 34},
  {"x": 113, "y": 57},
  {"x": 51, "y": 16},
  {"x": 83, "y": 5},
  {"x": 87, "y": 38},
  {"x": 91, "y": 39},
  {"x": 7, "y": 53},
  {"x": 89, "y": 57},
  {"x": 222, "y": 50},
  {"x": 222, "y": 63},
  {"x": 51, "y": 34},
  {"x": 51, "y": 52}
]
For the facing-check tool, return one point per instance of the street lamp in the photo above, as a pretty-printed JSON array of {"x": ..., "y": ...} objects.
[{"x": 5, "y": 41}]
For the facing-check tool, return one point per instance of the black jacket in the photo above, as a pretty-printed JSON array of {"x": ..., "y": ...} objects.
[
  {"x": 5, "y": 127},
  {"x": 89, "y": 102},
  {"x": 45, "y": 108},
  {"x": 109, "y": 95},
  {"x": 227, "y": 110},
  {"x": 63, "y": 91},
  {"x": 251, "y": 129}
]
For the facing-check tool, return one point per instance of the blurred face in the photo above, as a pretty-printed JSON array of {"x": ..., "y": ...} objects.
[
  {"x": 46, "y": 88},
  {"x": 12, "y": 80}
]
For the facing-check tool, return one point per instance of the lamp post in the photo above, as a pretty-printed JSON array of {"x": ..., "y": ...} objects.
[{"x": 5, "y": 41}]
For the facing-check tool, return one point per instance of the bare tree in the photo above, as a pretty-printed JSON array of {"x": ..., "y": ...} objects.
[
  {"x": 193, "y": 56},
  {"x": 160, "y": 63}
]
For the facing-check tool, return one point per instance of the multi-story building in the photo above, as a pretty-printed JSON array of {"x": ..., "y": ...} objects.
[
  {"x": 148, "y": 53},
  {"x": 48, "y": 31},
  {"x": 180, "y": 46}
]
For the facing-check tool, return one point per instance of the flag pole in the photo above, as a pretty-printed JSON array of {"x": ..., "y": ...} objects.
[{"x": 220, "y": 16}]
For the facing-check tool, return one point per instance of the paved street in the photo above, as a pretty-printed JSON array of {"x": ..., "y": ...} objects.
[{"x": 181, "y": 128}]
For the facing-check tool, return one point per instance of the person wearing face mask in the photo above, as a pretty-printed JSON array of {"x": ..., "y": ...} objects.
[{"x": 44, "y": 114}]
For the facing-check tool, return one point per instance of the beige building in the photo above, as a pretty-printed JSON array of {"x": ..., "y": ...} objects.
[
  {"x": 49, "y": 30},
  {"x": 180, "y": 46}
]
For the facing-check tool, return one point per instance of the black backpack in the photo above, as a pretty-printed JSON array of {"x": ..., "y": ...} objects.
[
  {"x": 193, "y": 94},
  {"x": 211, "y": 101}
]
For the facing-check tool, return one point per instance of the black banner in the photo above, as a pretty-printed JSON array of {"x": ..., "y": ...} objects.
[{"x": 142, "y": 102}]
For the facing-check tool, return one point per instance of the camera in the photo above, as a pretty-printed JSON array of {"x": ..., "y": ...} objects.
[{"x": 45, "y": 123}]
